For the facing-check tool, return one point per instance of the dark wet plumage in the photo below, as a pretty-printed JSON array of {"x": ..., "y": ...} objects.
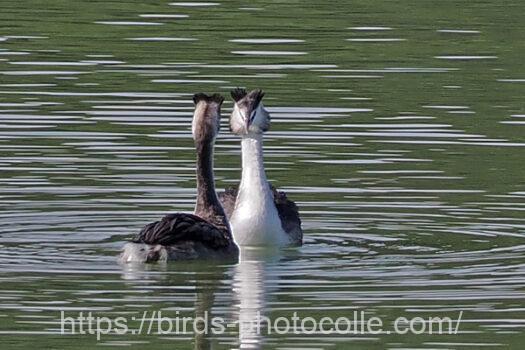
[
  {"x": 182, "y": 227},
  {"x": 183, "y": 236}
]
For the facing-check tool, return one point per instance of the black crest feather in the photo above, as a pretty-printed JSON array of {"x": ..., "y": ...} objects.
[
  {"x": 238, "y": 94},
  {"x": 216, "y": 98},
  {"x": 256, "y": 96},
  {"x": 203, "y": 97},
  {"x": 199, "y": 97}
]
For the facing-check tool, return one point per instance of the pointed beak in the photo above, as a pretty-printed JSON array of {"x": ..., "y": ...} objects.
[{"x": 247, "y": 123}]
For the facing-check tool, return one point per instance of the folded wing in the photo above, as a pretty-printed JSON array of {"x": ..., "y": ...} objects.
[{"x": 182, "y": 227}]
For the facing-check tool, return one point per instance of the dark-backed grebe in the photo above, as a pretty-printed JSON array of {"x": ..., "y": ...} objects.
[{"x": 206, "y": 234}]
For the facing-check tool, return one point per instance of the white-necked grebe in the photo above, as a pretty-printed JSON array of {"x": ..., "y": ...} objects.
[{"x": 259, "y": 215}]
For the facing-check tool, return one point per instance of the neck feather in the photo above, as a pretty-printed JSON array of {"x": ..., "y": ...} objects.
[
  {"x": 253, "y": 174},
  {"x": 208, "y": 205}
]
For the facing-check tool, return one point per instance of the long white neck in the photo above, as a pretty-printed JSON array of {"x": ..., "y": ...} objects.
[
  {"x": 253, "y": 174},
  {"x": 255, "y": 220}
]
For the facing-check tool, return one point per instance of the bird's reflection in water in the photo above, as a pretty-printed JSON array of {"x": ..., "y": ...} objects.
[
  {"x": 251, "y": 288},
  {"x": 204, "y": 279},
  {"x": 252, "y": 292},
  {"x": 204, "y": 301}
]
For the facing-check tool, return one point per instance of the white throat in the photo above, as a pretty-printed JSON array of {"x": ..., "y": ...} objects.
[
  {"x": 255, "y": 221},
  {"x": 253, "y": 174}
]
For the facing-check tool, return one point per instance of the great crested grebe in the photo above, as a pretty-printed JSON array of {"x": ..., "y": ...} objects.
[
  {"x": 259, "y": 215},
  {"x": 206, "y": 234}
]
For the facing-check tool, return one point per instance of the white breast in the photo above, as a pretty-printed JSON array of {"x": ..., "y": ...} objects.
[{"x": 255, "y": 221}]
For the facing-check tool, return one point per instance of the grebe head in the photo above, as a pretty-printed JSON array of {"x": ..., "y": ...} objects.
[
  {"x": 207, "y": 117},
  {"x": 249, "y": 114}
]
